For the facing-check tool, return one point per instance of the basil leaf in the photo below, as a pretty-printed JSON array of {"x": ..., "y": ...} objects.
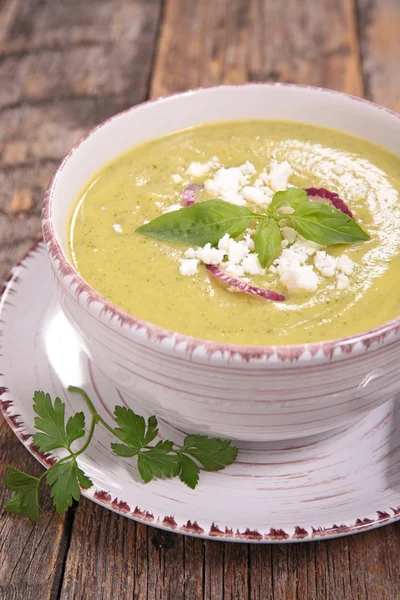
[
  {"x": 267, "y": 241},
  {"x": 325, "y": 225},
  {"x": 292, "y": 197},
  {"x": 199, "y": 224}
]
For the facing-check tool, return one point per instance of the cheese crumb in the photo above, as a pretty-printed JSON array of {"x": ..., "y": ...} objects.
[
  {"x": 227, "y": 183},
  {"x": 223, "y": 243},
  {"x": 325, "y": 263},
  {"x": 234, "y": 269},
  {"x": 342, "y": 281},
  {"x": 255, "y": 194},
  {"x": 293, "y": 273},
  {"x": 279, "y": 175},
  {"x": 289, "y": 234},
  {"x": 251, "y": 265},
  {"x": 345, "y": 264},
  {"x": 248, "y": 168},
  {"x": 188, "y": 266},
  {"x": 117, "y": 227},
  {"x": 237, "y": 251},
  {"x": 249, "y": 242},
  {"x": 197, "y": 169},
  {"x": 176, "y": 178},
  {"x": 209, "y": 255},
  {"x": 190, "y": 253},
  {"x": 297, "y": 276}
]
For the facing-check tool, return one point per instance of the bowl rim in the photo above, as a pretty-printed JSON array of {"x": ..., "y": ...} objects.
[{"x": 117, "y": 317}]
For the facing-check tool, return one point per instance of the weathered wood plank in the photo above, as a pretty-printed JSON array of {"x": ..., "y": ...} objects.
[
  {"x": 379, "y": 26},
  {"x": 31, "y": 555},
  {"x": 64, "y": 67},
  {"x": 206, "y": 43}
]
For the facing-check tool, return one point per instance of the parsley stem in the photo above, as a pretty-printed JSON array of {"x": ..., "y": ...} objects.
[{"x": 89, "y": 403}]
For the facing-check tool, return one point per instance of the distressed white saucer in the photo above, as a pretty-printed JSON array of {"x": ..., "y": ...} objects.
[{"x": 340, "y": 483}]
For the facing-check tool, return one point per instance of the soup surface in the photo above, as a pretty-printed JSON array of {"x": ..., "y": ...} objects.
[{"x": 344, "y": 289}]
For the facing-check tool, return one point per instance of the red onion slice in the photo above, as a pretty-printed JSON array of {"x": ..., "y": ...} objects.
[
  {"x": 190, "y": 194},
  {"x": 245, "y": 287},
  {"x": 332, "y": 197}
]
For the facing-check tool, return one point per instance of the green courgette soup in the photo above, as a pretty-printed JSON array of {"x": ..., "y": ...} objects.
[{"x": 331, "y": 274}]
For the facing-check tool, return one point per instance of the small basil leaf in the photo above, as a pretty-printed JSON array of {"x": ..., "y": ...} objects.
[
  {"x": 267, "y": 241},
  {"x": 199, "y": 224},
  {"x": 326, "y": 225},
  {"x": 292, "y": 197}
]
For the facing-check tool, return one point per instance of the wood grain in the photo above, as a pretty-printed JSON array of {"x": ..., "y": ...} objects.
[
  {"x": 65, "y": 66},
  {"x": 31, "y": 555},
  {"x": 224, "y": 41},
  {"x": 379, "y": 24}
]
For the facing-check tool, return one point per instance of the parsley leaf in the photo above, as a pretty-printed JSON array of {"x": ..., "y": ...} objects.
[
  {"x": 212, "y": 453},
  {"x": 51, "y": 424},
  {"x": 190, "y": 471},
  {"x": 65, "y": 477},
  {"x": 26, "y": 499},
  {"x": 132, "y": 431},
  {"x": 158, "y": 462}
]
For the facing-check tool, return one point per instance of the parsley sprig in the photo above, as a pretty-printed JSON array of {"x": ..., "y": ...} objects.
[{"x": 136, "y": 437}]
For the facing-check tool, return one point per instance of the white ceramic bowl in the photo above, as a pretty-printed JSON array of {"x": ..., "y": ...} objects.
[{"x": 241, "y": 392}]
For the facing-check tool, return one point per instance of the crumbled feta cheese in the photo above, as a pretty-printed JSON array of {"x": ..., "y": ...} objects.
[
  {"x": 345, "y": 264},
  {"x": 237, "y": 251},
  {"x": 172, "y": 208},
  {"x": 223, "y": 243},
  {"x": 190, "y": 253},
  {"x": 251, "y": 265},
  {"x": 188, "y": 266},
  {"x": 325, "y": 263},
  {"x": 279, "y": 175},
  {"x": 117, "y": 227},
  {"x": 289, "y": 234},
  {"x": 176, "y": 178},
  {"x": 342, "y": 281},
  {"x": 197, "y": 169},
  {"x": 209, "y": 255},
  {"x": 258, "y": 183},
  {"x": 306, "y": 247},
  {"x": 298, "y": 277},
  {"x": 234, "y": 269},
  {"x": 255, "y": 194},
  {"x": 159, "y": 204},
  {"x": 226, "y": 181},
  {"x": 249, "y": 241},
  {"x": 286, "y": 210},
  {"x": 293, "y": 273},
  {"x": 248, "y": 168}
]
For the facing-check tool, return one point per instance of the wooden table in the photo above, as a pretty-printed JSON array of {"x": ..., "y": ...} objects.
[{"x": 67, "y": 65}]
